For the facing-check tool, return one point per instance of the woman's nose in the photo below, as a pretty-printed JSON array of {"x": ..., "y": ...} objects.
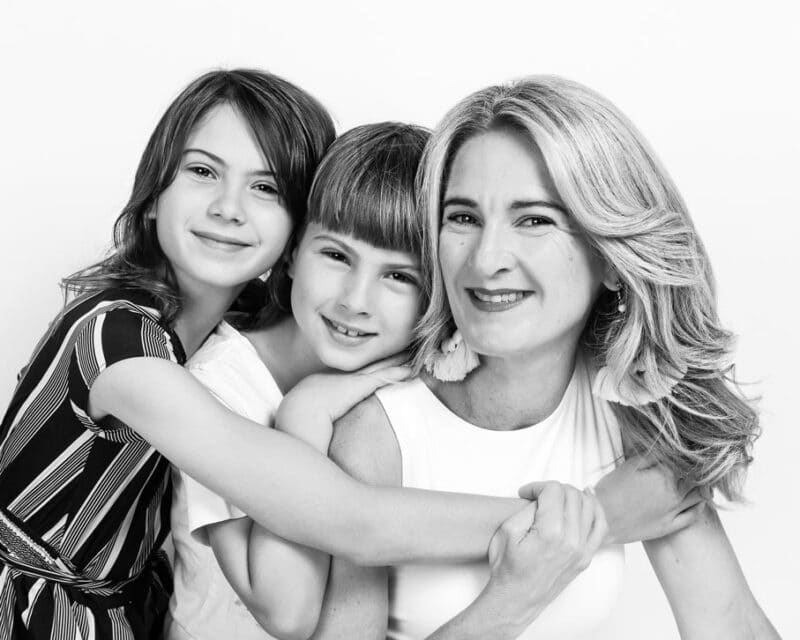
[{"x": 491, "y": 253}]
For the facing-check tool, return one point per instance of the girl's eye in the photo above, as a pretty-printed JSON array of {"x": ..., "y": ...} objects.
[
  {"x": 266, "y": 188},
  {"x": 200, "y": 170},
  {"x": 338, "y": 256},
  {"x": 461, "y": 218},
  {"x": 400, "y": 276}
]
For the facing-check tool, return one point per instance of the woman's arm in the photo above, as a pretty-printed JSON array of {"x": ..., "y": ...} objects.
[
  {"x": 705, "y": 586},
  {"x": 284, "y": 484},
  {"x": 356, "y": 601}
]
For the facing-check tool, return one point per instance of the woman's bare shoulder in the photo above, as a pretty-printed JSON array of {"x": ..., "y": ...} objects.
[{"x": 365, "y": 446}]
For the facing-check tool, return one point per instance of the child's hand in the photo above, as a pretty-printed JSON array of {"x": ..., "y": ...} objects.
[
  {"x": 309, "y": 410},
  {"x": 643, "y": 500}
]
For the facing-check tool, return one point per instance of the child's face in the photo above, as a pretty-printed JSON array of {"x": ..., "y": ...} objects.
[
  {"x": 354, "y": 303},
  {"x": 221, "y": 222}
]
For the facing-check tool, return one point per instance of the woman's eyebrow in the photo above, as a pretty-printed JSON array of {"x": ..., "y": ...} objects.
[
  {"x": 527, "y": 204},
  {"x": 266, "y": 173},
  {"x": 515, "y": 205},
  {"x": 464, "y": 202}
]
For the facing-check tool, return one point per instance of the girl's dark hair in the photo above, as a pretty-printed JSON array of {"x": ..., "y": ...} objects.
[
  {"x": 292, "y": 130},
  {"x": 365, "y": 187}
]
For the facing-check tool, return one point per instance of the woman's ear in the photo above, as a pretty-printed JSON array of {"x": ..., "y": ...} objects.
[{"x": 611, "y": 279}]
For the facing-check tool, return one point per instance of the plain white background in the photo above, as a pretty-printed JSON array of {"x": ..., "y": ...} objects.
[{"x": 712, "y": 85}]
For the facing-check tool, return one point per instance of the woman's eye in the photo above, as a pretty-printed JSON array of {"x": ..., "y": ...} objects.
[
  {"x": 535, "y": 221},
  {"x": 460, "y": 218}
]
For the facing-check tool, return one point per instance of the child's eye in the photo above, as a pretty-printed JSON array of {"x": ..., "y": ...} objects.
[
  {"x": 200, "y": 170},
  {"x": 338, "y": 256},
  {"x": 266, "y": 188},
  {"x": 461, "y": 218},
  {"x": 400, "y": 276}
]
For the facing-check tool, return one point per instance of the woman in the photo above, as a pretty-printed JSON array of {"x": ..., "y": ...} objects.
[{"x": 584, "y": 306}]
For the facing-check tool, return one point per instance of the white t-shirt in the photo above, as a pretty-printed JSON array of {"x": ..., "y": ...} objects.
[
  {"x": 577, "y": 444},
  {"x": 203, "y": 604}
]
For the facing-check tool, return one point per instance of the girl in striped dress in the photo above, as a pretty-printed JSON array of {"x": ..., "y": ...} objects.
[{"x": 84, "y": 499}]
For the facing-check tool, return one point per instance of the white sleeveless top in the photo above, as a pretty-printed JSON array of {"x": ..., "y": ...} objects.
[{"x": 577, "y": 444}]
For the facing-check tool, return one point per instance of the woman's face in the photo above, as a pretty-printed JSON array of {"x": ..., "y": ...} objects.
[{"x": 519, "y": 276}]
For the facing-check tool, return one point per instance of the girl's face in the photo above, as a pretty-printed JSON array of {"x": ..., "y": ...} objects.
[
  {"x": 354, "y": 303},
  {"x": 221, "y": 221},
  {"x": 519, "y": 276}
]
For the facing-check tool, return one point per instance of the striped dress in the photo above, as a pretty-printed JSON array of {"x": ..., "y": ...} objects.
[{"x": 84, "y": 506}]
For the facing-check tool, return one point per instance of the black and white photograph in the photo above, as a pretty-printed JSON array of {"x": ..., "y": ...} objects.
[{"x": 404, "y": 321}]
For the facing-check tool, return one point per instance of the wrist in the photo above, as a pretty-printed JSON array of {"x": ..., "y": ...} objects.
[
  {"x": 509, "y": 613},
  {"x": 603, "y": 498}
]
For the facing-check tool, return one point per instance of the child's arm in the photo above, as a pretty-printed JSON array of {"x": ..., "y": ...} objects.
[
  {"x": 705, "y": 586},
  {"x": 280, "y": 582},
  {"x": 284, "y": 484}
]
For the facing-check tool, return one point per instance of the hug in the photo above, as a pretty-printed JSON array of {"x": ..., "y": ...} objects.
[{"x": 515, "y": 302}]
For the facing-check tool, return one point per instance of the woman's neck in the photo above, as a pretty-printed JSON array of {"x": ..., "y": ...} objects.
[
  {"x": 286, "y": 353},
  {"x": 504, "y": 394}
]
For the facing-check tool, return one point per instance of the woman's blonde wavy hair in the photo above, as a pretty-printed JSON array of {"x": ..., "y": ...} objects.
[{"x": 668, "y": 345}]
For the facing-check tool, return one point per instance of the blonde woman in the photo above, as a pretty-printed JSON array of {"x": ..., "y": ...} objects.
[{"x": 572, "y": 310}]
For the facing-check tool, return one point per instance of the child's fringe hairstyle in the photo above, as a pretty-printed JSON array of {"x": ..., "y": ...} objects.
[
  {"x": 668, "y": 344},
  {"x": 365, "y": 186},
  {"x": 292, "y": 130}
]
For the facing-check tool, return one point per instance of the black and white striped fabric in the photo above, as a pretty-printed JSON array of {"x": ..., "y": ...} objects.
[{"x": 84, "y": 506}]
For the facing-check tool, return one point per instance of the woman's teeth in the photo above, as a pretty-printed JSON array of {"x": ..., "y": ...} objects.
[{"x": 499, "y": 297}]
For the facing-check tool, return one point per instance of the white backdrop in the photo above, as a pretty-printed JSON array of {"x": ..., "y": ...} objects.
[{"x": 712, "y": 85}]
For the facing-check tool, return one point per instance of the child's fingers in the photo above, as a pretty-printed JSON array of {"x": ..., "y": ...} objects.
[{"x": 397, "y": 359}]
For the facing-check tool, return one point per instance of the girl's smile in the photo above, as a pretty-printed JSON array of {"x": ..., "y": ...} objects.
[
  {"x": 221, "y": 222},
  {"x": 355, "y": 303}
]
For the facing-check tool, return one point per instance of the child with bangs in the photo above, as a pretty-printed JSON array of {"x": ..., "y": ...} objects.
[{"x": 349, "y": 295}]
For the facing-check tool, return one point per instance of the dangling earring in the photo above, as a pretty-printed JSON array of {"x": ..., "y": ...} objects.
[
  {"x": 453, "y": 361},
  {"x": 621, "y": 306}
]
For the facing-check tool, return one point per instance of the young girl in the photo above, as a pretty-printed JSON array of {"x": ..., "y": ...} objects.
[
  {"x": 351, "y": 295},
  {"x": 85, "y": 500}
]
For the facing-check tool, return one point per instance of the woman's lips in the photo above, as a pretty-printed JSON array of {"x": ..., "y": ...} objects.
[{"x": 496, "y": 299}]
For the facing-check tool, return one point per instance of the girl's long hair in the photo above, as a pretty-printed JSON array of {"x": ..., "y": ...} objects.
[
  {"x": 668, "y": 345},
  {"x": 292, "y": 130}
]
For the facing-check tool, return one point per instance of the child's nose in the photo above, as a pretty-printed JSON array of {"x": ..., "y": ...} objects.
[
  {"x": 354, "y": 296},
  {"x": 227, "y": 206}
]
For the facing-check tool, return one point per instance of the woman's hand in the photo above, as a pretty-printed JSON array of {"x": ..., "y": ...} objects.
[
  {"x": 643, "y": 500},
  {"x": 309, "y": 410},
  {"x": 541, "y": 549}
]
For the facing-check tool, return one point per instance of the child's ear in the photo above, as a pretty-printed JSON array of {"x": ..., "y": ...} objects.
[
  {"x": 290, "y": 265},
  {"x": 151, "y": 213}
]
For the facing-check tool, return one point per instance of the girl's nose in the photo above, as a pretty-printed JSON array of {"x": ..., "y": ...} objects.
[{"x": 227, "y": 205}]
